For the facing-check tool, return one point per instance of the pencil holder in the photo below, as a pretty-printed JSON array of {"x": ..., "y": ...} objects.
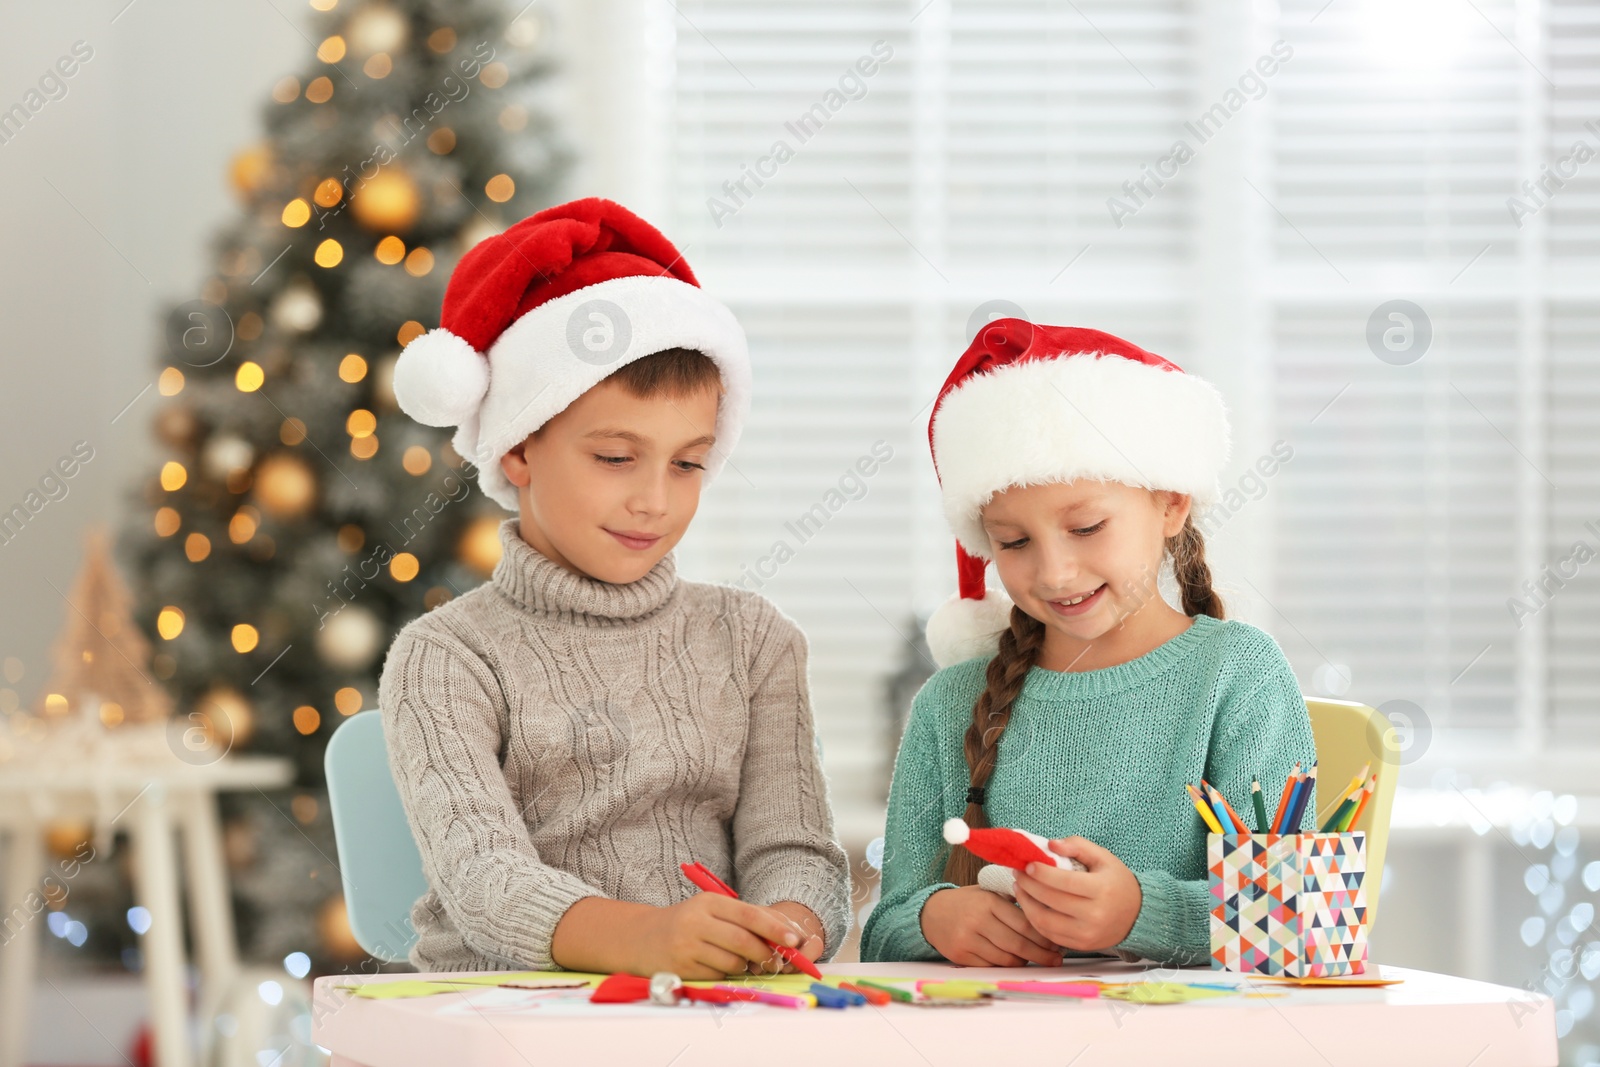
[{"x": 1288, "y": 904}]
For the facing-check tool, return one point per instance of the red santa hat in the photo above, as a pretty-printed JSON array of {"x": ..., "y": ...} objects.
[
  {"x": 536, "y": 316},
  {"x": 1029, "y": 404}
]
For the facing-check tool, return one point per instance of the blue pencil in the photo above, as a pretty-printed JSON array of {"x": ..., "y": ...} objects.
[
  {"x": 1305, "y": 798},
  {"x": 1222, "y": 815},
  {"x": 1288, "y": 825}
]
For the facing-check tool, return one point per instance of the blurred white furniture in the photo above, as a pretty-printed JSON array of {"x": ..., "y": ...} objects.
[{"x": 154, "y": 804}]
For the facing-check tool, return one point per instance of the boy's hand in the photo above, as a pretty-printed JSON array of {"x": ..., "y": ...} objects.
[
  {"x": 976, "y": 928},
  {"x": 711, "y": 936},
  {"x": 807, "y": 925},
  {"x": 1085, "y": 910}
]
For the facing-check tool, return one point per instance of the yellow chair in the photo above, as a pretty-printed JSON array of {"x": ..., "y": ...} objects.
[{"x": 1347, "y": 736}]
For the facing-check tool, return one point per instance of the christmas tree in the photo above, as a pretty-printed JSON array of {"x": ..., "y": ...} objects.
[
  {"x": 101, "y": 658},
  {"x": 297, "y": 519}
]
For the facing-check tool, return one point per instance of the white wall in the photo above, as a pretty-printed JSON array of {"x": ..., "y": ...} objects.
[{"x": 111, "y": 193}]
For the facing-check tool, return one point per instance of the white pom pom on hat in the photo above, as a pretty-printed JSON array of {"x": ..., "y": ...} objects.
[
  {"x": 956, "y": 831},
  {"x": 440, "y": 379},
  {"x": 963, "y": 629},
  {"x": 1029, "y": 404}
]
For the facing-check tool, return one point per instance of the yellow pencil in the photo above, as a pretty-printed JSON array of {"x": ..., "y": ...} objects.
[
  {"x": 1209, "y": 816},
  {"x": 1355, "y": 785}
]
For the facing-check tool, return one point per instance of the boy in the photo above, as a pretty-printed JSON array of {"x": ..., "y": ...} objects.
[{"x": 566, "y": 735}]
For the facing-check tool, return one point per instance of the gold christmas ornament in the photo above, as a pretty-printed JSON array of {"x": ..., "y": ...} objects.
[
  {"x": 350, "y": 639},
  {"x": 376, "y": 28},
  {"x": 224, "y": 454},
  {"x": 479, "y": 547},
  {"x": 173, "y": 476},
  {"x": 297, "y": 308},
  {"x": 285, "y": 487},
  {"x": 348, "y": 700},
  {"x": 226, "y": 716},
  {"x": 249, "y": 170},
  {"x": 388, "y": 202}
]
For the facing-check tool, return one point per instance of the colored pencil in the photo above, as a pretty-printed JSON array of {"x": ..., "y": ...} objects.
[
  {"x": 1260, "y": 804},
  {"x": 1294, "y": 787},
  {"x": 1298, "y": 814},
  {"x": 1351, "y": 790},
  {"x": 832, "y": 997},
  {"x": 1283, "y": 798},
  {"x": 1238, "y": 823},
  {"x": 1331, "y": 823},
  {"x": 1216, "y": 807},
  {"x": 1204, "y": 809},
  {"x": 876, "y": 997},
  {"x": 706, "y": 881},
  {"x": 894, "y": 991},
  {"x": 1366, "y": 795}
]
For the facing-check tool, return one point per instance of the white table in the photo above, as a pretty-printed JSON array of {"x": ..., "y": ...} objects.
[
  {"x": 154, "y": 803},
  {"x": 1429, "y": 1019}
]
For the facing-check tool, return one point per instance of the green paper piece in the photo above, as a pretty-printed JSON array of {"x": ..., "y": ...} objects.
[{"x": 1161, "y": 993}]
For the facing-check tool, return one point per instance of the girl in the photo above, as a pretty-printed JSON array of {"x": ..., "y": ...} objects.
[{"x": 1078, "y": 706}]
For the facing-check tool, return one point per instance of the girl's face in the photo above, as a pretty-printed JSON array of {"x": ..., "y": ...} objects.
[{"x": 1083, "y": 557}]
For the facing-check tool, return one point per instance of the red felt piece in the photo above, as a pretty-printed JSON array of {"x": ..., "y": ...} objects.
[
  {"x": 1007, "y": 848},
  {"x": 621, "y": 989}
]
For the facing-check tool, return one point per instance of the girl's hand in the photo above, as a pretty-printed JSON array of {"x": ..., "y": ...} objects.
[
  {"x": 976, "y": 928},
  {"x": 1087, "y": 910}
]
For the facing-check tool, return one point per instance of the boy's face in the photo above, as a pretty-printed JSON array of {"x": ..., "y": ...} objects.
[
  {"x": 1055, "y": 542},
  {"x": 607, "y": 487}
]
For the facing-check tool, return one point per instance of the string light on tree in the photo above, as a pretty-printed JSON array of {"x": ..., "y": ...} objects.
[
  {"x": 284, "y": 486},
  {"x": 264, "y": 491}
]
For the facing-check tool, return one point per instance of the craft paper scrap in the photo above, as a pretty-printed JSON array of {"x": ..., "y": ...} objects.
[
  {"x": 1161, "y": 993},
  {"x": 1082, "y": 990},
  {"x": 1353, "y": 981},
  {"x": 402, "y": 988},
  {"x": 956, "y": 989}
]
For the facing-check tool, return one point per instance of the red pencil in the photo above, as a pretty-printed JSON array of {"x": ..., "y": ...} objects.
[{"x": 701, "y": 875}]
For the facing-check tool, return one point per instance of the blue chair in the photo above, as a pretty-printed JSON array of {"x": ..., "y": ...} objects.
[{"x": 379, "y": 864}]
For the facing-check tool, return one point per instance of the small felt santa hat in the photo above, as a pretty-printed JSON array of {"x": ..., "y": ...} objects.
[
  {"x": 536, "y": 316},
  {"x": 1028, "y": 404}
]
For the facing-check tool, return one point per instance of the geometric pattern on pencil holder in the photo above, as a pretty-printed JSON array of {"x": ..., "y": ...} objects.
[{"x": 1288, "y": 904}]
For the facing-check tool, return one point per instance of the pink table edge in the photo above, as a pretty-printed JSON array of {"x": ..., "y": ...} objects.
[{"x": 1430, "y": 1018}]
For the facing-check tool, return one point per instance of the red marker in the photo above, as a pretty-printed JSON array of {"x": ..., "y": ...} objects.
[{"x": 702, "y": 877}]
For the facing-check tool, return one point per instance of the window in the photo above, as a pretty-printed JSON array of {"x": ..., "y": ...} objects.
[{"x": 1028, "y": 152}]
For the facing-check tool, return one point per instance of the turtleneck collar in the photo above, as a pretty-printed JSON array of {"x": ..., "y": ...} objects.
[{"x": 540, "y": 585}]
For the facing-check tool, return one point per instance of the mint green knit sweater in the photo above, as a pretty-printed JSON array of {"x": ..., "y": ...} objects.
[{"x": 1103, "y": 754}]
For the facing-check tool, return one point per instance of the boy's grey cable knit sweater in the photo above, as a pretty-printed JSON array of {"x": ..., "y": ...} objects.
[{"x": 555, "y": 737}]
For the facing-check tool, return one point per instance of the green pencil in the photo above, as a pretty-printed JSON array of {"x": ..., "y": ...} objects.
[
  {"x": 1337, "y": 817},
  {"x": 1262, "y": 826},
  {"x": 893, "y": 990}
]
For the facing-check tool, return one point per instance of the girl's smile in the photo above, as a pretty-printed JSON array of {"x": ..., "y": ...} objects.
[
  {"x": 1079, "y": 604},
  {"x": 1082, "y": 558}
]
